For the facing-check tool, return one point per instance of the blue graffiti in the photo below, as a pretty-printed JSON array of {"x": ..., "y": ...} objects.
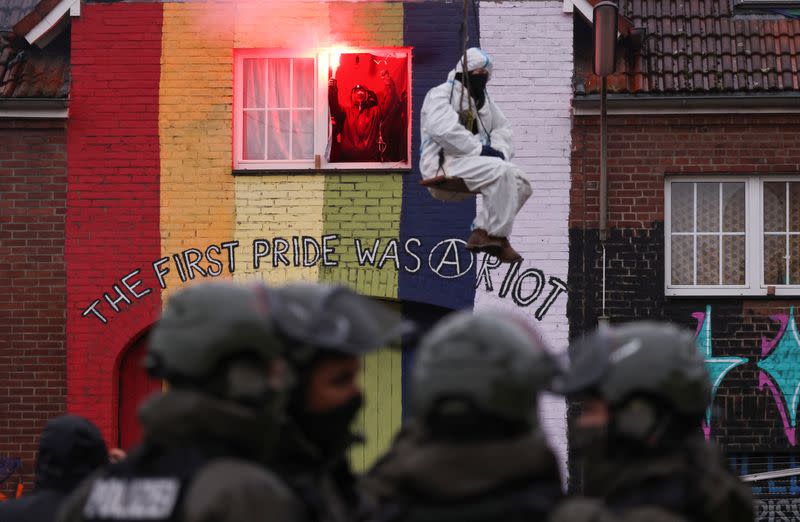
[
  {"x": 780, "y": 371},
  {"x": 717, "y": 367}
]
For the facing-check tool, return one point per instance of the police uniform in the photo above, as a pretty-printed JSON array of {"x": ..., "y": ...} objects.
[
  {"x": 473, "y": 451},
  {"x": 321, "y": 322},
  {"x": 193, "y": 465},
  {"x": 207, "y": 438},
  {"x": 649, "y": 461}
]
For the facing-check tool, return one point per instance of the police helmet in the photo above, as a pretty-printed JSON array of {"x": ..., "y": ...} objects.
[
  {"x": 480, "y": 365},
  {"x": 208, "y": 323},
  {"x": 649, "y": 359},
  {"x": 315, "y": 317}
]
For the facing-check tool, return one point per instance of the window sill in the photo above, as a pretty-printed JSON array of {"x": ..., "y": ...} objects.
[{"x": 283, "y": 172}]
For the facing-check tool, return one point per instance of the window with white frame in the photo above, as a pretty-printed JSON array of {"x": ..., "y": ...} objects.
[
  {"x": 335, "y": 109},
  {"x": 781, "y": 232},
  {"x": 732, "y": 236}
]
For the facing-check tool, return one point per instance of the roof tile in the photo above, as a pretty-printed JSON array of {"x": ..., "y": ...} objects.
[
  {"x": 29, "y": 72},
  {"x": 699, "y": 46}
]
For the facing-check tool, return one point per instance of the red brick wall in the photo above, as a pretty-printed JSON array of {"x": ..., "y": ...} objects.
[
  {"x": 33, "y": 185},
  {"x": 113, "y": 197},
  {"x": 641, "y": 149}
]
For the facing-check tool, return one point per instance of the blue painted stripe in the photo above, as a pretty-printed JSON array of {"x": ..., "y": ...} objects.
[{"x": 433, "y": 30}]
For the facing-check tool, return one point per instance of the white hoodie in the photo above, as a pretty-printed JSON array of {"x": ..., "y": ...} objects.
[{"x": 440, "y": 128}]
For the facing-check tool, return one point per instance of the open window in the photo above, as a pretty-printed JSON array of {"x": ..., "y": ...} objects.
[{"x": 340, "y": 108}]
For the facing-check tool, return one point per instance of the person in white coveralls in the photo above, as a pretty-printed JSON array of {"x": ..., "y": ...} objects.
[{"x": 465, "y": 135}]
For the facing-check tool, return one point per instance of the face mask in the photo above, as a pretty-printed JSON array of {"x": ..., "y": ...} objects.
[
  {"x": 330, "y": 430},
  {"x": 477, "y": 88}
]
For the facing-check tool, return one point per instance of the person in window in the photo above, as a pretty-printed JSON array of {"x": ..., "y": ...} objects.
[
  {"x": 358, "y": 129},
  {"x": 465, "y": 135}
]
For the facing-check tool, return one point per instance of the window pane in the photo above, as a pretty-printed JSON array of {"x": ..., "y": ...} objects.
[
  {"x": 303, "y": 134},
  {"x": 774, "y": 261},
  {"x": 254, "y": 83},
  {"x": 794, "y": 207},
  {"x": 304, "y": 83},
  {"x": 278, "y": 87},
  {"x": 794, "y": 260},
  {"x": 278, "y": 135},
  {"x": 733, "y": 208},
  {"x": 708, "y": 260},
  {"x": 682, "y": 260},
  {"x": 733, "y": 260},
  {"x": 708, "y": 207},
  {"x": 253, "y": 135},
  {"x": 682, "y": 219},
  {"x": 774, "y": 207}
]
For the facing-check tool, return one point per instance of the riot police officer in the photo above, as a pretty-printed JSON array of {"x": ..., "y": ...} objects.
[
  {"x": 205, "y": 439},
  {"x": 473, "y": 451},
  {"x": 643, "y": 390},
  {"x": 327, "y": 329}
]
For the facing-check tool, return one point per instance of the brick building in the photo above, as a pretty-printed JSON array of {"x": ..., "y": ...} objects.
[
  {"x": 197, "y": 146},
  {"x": 34, "y": 82},
  {"x": 703, "y": 210}
]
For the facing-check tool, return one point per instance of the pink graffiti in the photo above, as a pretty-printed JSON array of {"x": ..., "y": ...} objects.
[
  {"x": 701, "y": 317},
  {"x": 767, "y": 345}
]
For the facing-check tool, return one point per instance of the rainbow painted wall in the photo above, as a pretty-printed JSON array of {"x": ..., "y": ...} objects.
[{"x": 150, "y": 178}]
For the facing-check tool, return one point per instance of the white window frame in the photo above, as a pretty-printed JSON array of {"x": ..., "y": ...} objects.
[
  {"x": 754, "y": 241},
  {"x": 784, "y": 290},
  {"x": 321, "y": 112}
]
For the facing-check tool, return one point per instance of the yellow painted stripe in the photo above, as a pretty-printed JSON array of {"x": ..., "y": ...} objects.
[
  {"x": 367, "y": 206},
  {"x": 197, "y": 189}
]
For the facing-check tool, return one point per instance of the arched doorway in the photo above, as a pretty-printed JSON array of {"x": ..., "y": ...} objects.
[{"x": 134, "y": 386}]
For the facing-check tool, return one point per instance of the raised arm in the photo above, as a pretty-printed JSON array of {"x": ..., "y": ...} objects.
[
  {"x": 390, "y": 99},
  {"x": 333, "y": 102}
]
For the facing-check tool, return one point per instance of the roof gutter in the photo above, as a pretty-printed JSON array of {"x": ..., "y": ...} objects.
[
  {"x": 622, "y": 104},
  {"x": 53, "y": 108}
]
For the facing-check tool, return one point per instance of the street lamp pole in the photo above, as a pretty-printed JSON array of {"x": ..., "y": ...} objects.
[
  {"x": 604, "y": 18},
  {"x": 604, "y": 22}
]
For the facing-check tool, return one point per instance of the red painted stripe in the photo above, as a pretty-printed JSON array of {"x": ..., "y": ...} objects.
[{"x": 113, "y": 195}]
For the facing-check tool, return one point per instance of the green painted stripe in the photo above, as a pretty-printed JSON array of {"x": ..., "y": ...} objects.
[{"x": 367, "y": 207}]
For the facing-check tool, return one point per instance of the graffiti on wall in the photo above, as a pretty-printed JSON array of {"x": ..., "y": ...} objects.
[
  {"x": 446, "y": 259},
  {"x": 780, "y": 371},
  {"x": 779, "y": 367},
  {"x": 777, "y": 509},
  {"x": 775, "y": 499},
  {"x": 717, "y": 367}
]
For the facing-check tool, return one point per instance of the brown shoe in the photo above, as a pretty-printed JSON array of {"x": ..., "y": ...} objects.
[
  {"x": 481, "y": 241},
  {"x": 507, "y": 254}
]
